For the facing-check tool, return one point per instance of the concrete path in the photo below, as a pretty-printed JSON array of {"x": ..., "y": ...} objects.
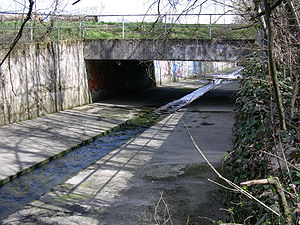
[
  {"x": 134, "y": 184},
  {"x": 25, "y": 145}
]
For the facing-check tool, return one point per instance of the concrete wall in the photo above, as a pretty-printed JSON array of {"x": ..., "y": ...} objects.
[
  {"x": 111, "y": 77},
  {"x": 167, "y": 49},
  {"x": 42, "y": 78},
  {"x": 172, "y": 71}
]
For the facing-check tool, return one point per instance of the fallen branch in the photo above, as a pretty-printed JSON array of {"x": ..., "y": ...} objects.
[
  {"x": 275, "y": 181},
  {"x": 238, "y": 188},
  {"x": 223, "y": 186},
  {"x": 166, "y": 211}
]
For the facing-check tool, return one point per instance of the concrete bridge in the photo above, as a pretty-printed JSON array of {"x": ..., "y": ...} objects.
[
  {"x": 167, "y": 49},
  {"x": 42, "y": 78},
  {"x": 120, "y": 65}
]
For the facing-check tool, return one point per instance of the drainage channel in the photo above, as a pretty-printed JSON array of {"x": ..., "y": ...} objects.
[{"x": 28, "y": 187}]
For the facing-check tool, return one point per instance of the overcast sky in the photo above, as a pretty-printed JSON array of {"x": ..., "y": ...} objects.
[
  {"x": 104, "y": 7},
  {"x": 97, "y": 6},
  {"x": 84, "y": 6}
]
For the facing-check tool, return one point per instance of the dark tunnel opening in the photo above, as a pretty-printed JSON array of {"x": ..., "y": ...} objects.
[{"x": 108, "y": 78}]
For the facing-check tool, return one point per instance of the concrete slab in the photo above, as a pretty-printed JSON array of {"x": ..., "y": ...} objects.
[
  {"x": 98, "y": 186},
  {"x": 30, "y": 143},
  {"x": 24, "y": 145},
  {"x": 134, "y": 183}
]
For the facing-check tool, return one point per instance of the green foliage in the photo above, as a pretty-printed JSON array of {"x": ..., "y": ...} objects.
[
  {"x": 251, "y": 133},
  {"x": 256, "y": 130},
  {"x": 110, "y": 30},
  {"x": 255, "y": 67}
]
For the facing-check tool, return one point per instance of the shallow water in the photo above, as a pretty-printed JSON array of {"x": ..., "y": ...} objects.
[{"x": 28, "y": 187}]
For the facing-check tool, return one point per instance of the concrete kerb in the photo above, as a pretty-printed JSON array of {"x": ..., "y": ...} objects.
[{"x": 85, "y": 142}]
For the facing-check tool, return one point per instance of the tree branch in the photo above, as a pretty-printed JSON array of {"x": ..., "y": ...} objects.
[
  {"x": 272, "y": 7},
  {"x": 272, "y": 68},
  {"x": 275, "y": 181},
  {"x": 20, "y": 33},
  {"x": 230, "y": 183},
  {"x": 74, "y": 3}
]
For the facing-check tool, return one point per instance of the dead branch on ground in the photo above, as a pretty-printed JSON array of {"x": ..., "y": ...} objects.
[
  {"x": 167, "y": 215},
  {"x": 278, "y": 186},
  {"x": 235, "y": 186}
]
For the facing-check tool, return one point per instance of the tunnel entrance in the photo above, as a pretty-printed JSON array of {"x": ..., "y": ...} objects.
[{"x": 107, "y": 78}]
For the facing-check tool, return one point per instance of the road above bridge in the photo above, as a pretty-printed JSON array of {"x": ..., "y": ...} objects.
[{"x": 167, "y": 49}]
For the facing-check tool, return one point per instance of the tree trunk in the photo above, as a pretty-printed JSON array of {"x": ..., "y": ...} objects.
[{"x": 272, "y": 68}]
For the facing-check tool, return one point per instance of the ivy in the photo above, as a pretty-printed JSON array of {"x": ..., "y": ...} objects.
[{"x": 256, "y": 130}]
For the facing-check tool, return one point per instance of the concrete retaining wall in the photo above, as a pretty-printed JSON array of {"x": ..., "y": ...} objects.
[{"x": 42, "y": 78}]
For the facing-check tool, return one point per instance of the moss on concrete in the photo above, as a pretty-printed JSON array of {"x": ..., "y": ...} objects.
[
  {"x": 70, "y": 197},
  {"x": 195, "y": 170}
]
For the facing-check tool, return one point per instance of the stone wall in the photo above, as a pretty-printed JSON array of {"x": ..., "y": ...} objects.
[{"x": 42, "y": 78}]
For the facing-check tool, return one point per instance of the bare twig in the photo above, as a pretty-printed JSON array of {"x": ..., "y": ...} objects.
[
  {"x": 238, "y": 188},
  {"x": 74, "y": 3},
  {"x": 249, "y": 217},
  {"x": 223, "y": 186},
  {"x": 245, "y": 27},
  {"x": 166, "y": 209},
  {"x": 20, "y": 33},
  {"x": 51, "y": 25},
  {"x": 275, "y": 156},
  {"x": 275, "y": 181}
]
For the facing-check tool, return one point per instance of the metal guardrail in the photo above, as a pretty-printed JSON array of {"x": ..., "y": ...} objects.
[{"x": 120, "y": 23}]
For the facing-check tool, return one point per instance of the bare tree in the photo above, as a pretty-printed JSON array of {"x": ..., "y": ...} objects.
[
  {"x": 272, "y": 68},
  {"x": 20, "y": 33}
]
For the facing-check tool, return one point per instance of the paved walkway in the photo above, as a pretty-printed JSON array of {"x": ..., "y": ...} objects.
[
  {"x": 24, "y": 145},
  {"x": 124, "y": 186}
]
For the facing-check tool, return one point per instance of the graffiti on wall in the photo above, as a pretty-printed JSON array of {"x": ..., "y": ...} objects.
[
  {"x": 95, "y": 81},
  {"x": 170, "y": 71}
]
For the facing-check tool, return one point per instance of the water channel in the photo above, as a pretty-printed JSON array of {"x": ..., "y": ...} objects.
[{"x": 26, "y": 188}]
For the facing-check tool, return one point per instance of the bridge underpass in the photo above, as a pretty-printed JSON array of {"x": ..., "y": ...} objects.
[
  {"x": 118, "y": 66},
  {"x": 118, "y": 169},
  {"x": 107, "y": 78},
  {"x": 51, "y": 77},
  {"x": 121, "y": 186},
  {"x": 168, "y": 49}
]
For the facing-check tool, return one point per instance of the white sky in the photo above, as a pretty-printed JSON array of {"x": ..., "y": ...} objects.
[
  {"x": 104, "y": 7},
  {"x": 99, "y": 6},
  {"x": 115, "y": 6}
]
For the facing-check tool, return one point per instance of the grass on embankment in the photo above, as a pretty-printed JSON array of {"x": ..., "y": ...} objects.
[{"x": 106, "y": 30}]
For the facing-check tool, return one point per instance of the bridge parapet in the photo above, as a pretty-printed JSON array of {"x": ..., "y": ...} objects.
[{"x": 167, "y": 49}]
